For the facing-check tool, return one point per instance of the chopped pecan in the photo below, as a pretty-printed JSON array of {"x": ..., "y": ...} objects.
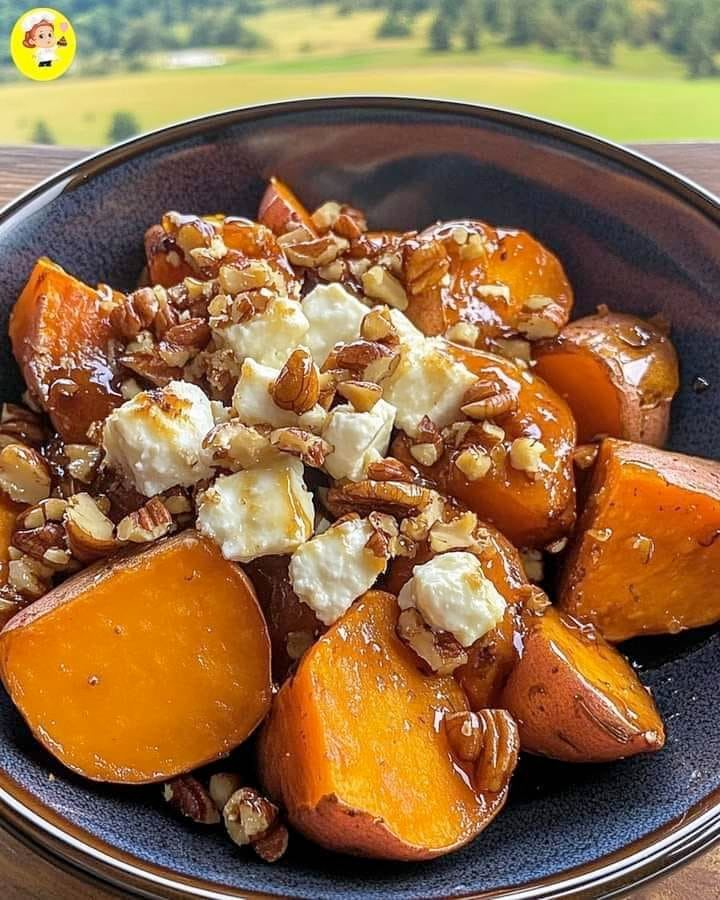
[
  {"x": 150, "y": 366},
  {"x": 487, "y": 399},
  {"x": 316, "y": 252},
  {"x": 310, "y": 448},
  {"x": 378, "y": 326},
  {"x": 192, "y": 333},
  {"x": 36, "y": 542},
  {"x": 135, "y": 313},
  {"x": 90, "y": 533},
  {"x": 396, "y": 498},
  {"x": 297, "y": 386},
  {"x": 189, "y": 798},
  {"x": 245, "y": 275},
  {"x": 31, "y": 578},
  {"x": 385, "y": 535},
  {"x": 83, "y": 461},
  {"x": 358, "y": 355},
  {"x": 389, "y": 469},
  {"x": 363, "y": 395},
  {"x": 499, "y": 753},
  {"x": 438, "y": 652},
  {"x": 235, "y": 445},
  {"x": 150, "y": 522},
  {"x": 464, "y": 734},
  {"x": 426, "y": 267},
  {"x": 24, "y": 474},
  {"x": 252, "y": 819},
  {"x": 21, "y": 425},
  {"x": 222, "y": 786},
  {"x": 379, "y": 284}
]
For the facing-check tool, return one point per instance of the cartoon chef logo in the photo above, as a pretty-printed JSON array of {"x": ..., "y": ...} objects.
[{"x": 42, "y": 44}]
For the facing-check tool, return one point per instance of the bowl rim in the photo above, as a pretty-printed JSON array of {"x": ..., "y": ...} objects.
[{"x": 72, "y": 847}]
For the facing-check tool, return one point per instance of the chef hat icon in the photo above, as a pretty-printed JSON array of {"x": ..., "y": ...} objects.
[{"x": 36, "y": 17}]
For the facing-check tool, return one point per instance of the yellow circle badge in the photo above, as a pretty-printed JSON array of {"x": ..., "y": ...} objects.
[{"x": 42, "y": 44}]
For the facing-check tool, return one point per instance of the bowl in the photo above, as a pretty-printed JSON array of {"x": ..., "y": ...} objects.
[{"x": 632, "y": 235}]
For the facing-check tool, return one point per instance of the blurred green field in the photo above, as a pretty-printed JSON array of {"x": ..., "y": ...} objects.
[{"x": 645, "y": 96}]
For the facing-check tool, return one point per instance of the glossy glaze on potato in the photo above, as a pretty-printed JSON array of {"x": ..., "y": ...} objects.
[
  {"x": 646, "y": 556},
  {"x": 531, "y": 510},
  {"x": 513, "y": 284},
  {"x": 576, "y": 698},
  {"x": 617, "y": 373}
]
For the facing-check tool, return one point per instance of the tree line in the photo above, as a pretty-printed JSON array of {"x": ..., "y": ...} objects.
[{"x": 588, "y": 29}]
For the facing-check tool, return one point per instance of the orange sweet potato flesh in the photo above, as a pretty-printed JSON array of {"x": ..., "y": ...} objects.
[
  {"x": 281, "y": 211},
  {"x": 513, "y": 260},
  {"x": 617, "y": 373},
  {"x": 576, "y": 698},
  {"x": 60, "y": 333},
  {"x": 291, "y": 623},
  {"x": 354, "y": 750},
  {"x": 492, "y": 657},
  {"x": 143, "y": 666},
  {"x": 531, "y": 512},
  {"x": 646, "y": 557}
]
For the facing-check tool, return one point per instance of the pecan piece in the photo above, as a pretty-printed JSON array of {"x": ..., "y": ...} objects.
[
  {"x": 90, "y": 533},
  {"x": 189, "y": 798},
  {"x": 308, "y": 447},
  {"x": 222, "y": 786},
  {"x": 486, "y": 400},
  {"x": 426, "y": 267},
  {"x": 500, "y": 749},
  {"x": 135, "y": 313},
  {"x": 192, "y": 333},
  {"x": 378, "y": 326},
  {"x": 36, "y": 542},
  {"x": 150, "y": 522},
  {"x": 24, "y": 474},
  {"x": 437, "y": 652},
  {"x": 396, "y": 498},
  {"x": 362, "y": 395},
  {"x": 297, "y": 387},
  {"x": 150, "y": 366},
  {"x": 464, "y": 734},
  {"x": 379, "y": 284},
  {"x": 252, "y": 819},
  {"x": 389, "y": 469},
  {"x": 21, "y": 425},
  {"x": 358, "y": 355}
]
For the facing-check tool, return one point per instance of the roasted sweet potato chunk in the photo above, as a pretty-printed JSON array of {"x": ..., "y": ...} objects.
[
  {"x": 60, "y": 333},
  {"x": 532, "y": 508},
  {"x": 354, "y": 751},
  {"x": 281, "y": 211},
  {"x": 501, "y": 280},
  {"x": 144, "y": 666},
  {"x": 646, "y": 557},
  {"x": 575, "y": 697},
  {"x": 617, "y": 373}
]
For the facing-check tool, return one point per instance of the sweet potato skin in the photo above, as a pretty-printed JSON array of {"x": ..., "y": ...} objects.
[
  {"x": 645, "y": 558},
  {"x": 530, "y": 512},
  {"x": 353, "y": 750},
  {"x": 617, "y": 373},
  {"x": 492, "y": 657},
  {"x": 143, "y": 666},
  {"x": 60, "y": 336},
  {"x": 575, "y": 698},
  {"x": 515, "y": 260}
]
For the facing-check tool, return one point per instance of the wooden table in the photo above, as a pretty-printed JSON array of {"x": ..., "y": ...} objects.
[{"x": 25, "y": 876}]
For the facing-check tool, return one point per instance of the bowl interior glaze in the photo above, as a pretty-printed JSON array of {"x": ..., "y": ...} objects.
[{"x": 630, "y": 236}]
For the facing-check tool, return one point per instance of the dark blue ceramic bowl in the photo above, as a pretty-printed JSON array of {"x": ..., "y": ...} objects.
[{"x": 631, "y": 235}]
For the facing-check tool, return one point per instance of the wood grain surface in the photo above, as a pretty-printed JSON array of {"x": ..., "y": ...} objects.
[{"x": 24, "y": 875}]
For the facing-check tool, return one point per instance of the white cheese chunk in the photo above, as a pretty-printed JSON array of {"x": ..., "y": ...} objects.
[
  {"x": 269, "y": 337},
  {"x": 427, "y": 382},
  {"x": 335, "y": 568},
  {"x": 254, "y": 404},
  {"x": 334, "y": 315},
  {"x": 452, "y": 593},
  {"x": 156, "y": 438},
  {"x": 357, "y": 438},
  {"x": 258, "y": 512}
]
